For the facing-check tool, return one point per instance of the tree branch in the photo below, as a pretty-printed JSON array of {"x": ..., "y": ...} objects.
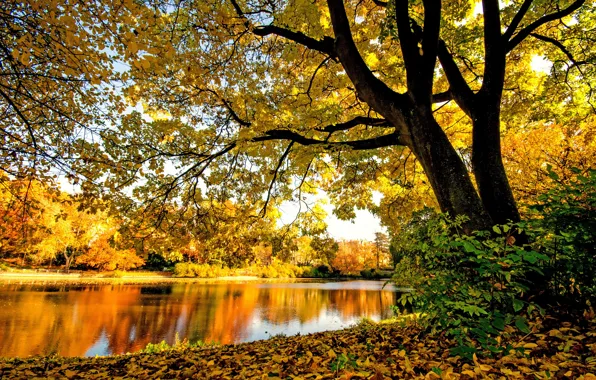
[
  {"x": 279, "y": 163},
  {"x": 430, "y": 40},
  {"x": 441, "y": 97},
  {"x": 380, "y": 3},
  {"x": 359, "y": 120},
  {"x": 516, "y": 20},
  {"x": 525, "y": 32},
  {"x": 324, "y": 46},
  {"x": 372, "y": 90},
  {"x": 408, "y": 41},
  {"x": 392, "y": 139},
  {"x": 494, "y": 52},
  {"x": 458, "y": 87},
  {"x": 559, "y": 45}
]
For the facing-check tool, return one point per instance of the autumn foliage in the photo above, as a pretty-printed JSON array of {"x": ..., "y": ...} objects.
[{"x": 46, "y": 226}]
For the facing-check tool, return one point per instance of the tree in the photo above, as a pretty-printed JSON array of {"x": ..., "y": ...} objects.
[
  {"x": 325, "y": 247},
  {"x": 354, "y": 256},
  {"x": 381, "y": 245},
  {"x": 272, "y": 97}
]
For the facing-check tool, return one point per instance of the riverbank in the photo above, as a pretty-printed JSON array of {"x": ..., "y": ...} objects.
[
  {"x": 133, "y": 278},
  {"x": 136, "y": 278},
  {"x": 554, "y": 349}
]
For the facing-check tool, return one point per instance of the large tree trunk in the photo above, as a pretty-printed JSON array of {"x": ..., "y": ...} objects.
[
  {"x": 488, "y": 168},
  {"x": 445, "y": 170}
]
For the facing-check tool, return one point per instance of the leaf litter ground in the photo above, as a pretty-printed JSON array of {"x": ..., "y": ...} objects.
[{"x": 554, "y": 349}]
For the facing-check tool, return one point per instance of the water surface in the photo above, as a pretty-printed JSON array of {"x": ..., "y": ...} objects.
[{"x": 74, "y": 320}]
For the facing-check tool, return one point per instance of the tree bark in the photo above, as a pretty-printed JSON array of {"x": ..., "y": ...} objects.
[
  {"x": 445, "y": 170},
  {"x": 487, "y": 165}
]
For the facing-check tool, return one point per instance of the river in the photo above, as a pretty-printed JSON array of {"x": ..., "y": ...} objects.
[{"x": 102, "y": 319}]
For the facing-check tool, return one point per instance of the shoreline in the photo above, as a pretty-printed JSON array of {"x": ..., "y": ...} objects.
[
  {"x": 157, "y": 278},
  {"x": 366, "y": 351}
]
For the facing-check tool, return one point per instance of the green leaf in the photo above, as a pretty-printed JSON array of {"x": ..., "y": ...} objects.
[
  {"x": 522, "y": 325},
  {"x": 499, "y": 323},
  {"x": 497, "y": 229},
  {"x": 468, "y": 247},
  {"x": 517, "y": 305}
]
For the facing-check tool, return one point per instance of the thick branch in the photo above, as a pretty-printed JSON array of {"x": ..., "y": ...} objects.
[
  {"x": 525, "y": 32},
  {"x": 458, "y": 87},
  {"x": 516, "y": 20},
  {"x": 380, "y": 3},
  {"x": 442, "y": 97},
  {"x": 372, "y": 90},
  {"x": 494, "y": 52},
  {"x": 392, "y": 139},
  {"x": 430, "y": 40},
  {"x": 407, "y": 40},
  {"x": 324, "y": 46},
  {"x": 359, "y": 120}
]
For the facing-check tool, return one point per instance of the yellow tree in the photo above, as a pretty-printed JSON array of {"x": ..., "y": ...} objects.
[{"x": 268, "y": 99}]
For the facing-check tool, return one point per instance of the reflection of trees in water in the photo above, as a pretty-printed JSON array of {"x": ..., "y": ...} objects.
[
  {"x": 282, "y": 305},
  {"x": 70, "y": 322}
]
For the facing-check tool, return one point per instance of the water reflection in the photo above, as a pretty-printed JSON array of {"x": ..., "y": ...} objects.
[{"x": 103, "y": 319}]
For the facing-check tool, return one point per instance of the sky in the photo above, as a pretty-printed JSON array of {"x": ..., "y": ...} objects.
[{"x": 363, "y": 227}]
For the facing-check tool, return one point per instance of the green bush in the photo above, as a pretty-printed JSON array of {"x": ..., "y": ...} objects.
[
  {"x": 564, "y": 228},
  {"x": 472, "y": 286},
  {"x": 179, "y": 345}
]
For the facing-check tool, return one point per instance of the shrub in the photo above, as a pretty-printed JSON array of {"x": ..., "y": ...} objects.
[
  {"x": 564, "y": 225},
  {"x": 278, "y": 269},
  {"x": 200, "y": 270},
  {"x": 116, "y": 274},
  {"x": 155, "y": 261},
  {"x": 471, "y": 287},
  {"x": 179, "y": 345}
]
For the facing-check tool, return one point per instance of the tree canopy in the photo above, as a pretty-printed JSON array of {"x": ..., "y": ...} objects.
[{"x": 264, "y": 101}]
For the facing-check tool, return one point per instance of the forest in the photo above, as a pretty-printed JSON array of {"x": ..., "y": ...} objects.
[{"x": 180, "y": 129}]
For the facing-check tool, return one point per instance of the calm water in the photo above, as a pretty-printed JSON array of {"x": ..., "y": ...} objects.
[{"x": 111, "y": 319}]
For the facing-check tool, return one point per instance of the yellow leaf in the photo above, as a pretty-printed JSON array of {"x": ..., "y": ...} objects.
[
  {"x": 409, "y": 365},
  {"x": 133, "y": 47},
  {"x": 331, "y": 354}
]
